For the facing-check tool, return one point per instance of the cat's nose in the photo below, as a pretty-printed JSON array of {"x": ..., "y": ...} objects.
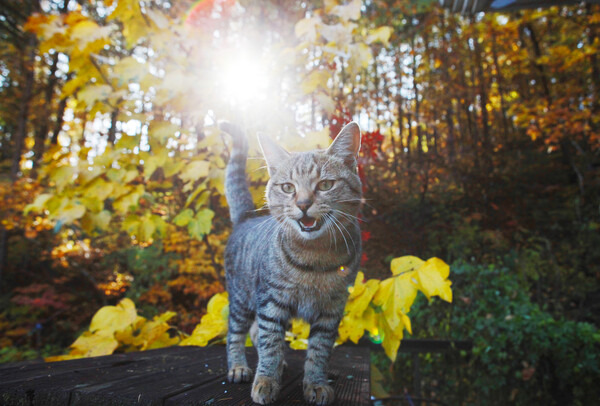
[{"x": 304, "y": 205}]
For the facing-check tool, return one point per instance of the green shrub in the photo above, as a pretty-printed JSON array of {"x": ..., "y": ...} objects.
[{"x": 521, "y": 354}]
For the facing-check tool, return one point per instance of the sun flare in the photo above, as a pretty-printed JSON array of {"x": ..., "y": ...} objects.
[{"x": 244, "y": 79}]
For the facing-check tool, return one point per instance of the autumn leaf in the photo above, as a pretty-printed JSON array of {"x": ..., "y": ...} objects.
[
  {"x": 350, "y": 11},
  {"x": 38, "y": 204},
  {"x": 307, "y": 27},
  {"x": 94, "y": 344},
  {"x": 184, "y": 217},
  {"x": 93, "y": 93},
  {"x": 213, "y": 324},
  {"x": 200, "y": 225},
  {"x": 316, "y": 79},
  {"x": 432, "y": 278},
  {"x": 405, "y": 264},
  {"x": 109, "y": 319},
  {"x": 194, "y": 171},
  {"x": 380, "y": 34}
]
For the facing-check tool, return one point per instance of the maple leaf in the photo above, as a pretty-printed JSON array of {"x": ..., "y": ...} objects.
[
  {"x": 213, "y": 324},
  {"x": 200, "y": 225},
  {"x": 109, "y": 319},
  {"x": 432, "y": 277}
]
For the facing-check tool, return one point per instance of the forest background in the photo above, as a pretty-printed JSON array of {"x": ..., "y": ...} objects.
[{"x": 481, "y": 142}]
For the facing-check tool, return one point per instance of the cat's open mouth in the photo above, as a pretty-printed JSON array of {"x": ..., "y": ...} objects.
[{"x": 309, "y": 224}]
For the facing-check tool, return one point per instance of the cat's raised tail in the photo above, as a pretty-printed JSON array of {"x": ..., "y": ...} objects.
[{"x": 236, "y": 188}]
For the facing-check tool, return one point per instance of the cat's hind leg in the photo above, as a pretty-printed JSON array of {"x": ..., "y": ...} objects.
[{"x": 239, "y": 323}]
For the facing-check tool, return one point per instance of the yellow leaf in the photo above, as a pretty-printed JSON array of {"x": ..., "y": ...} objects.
[
  {"x": 350, "y": 11},
  {"x": 87, "y": 31},
  {"x": 381, "y": 34},
  {"x": 161, "y": 20},
  {"x": 358, "y": 315},
  {"x": 432, "y": 277},
  {"x": 62, "y": 175},
  {"x": 405, "y": 264},
  {"x": 38, "y": 204},
  {"x": 162, "y": 130},
  {"x": 361, "y": 55},
  {"x": 194, "y": 171},
  {"x": 71, "y": 212},
  {"x": 391, "y": 339},
  {"x": 129, "y": 69},
  {"x": 300, "y": 328},
  {"x": 93, "y": 345},
  {"x": 65, "y": 357},
  {"x": 127, "y": 335},
  {"x": 124, "y": 202},
  {"x": 326, "y": 102},
  {"x": 172, "y": 167},
  {"x": 109, "y": 319},
  {"x": 213, "y": 324},
  {"x": 312, "y": 140},
  {"x": 155, "y": 161},
  {"x": 99, "y": 189},
  {"x": 307, "y": 27},
  {"x": 337, "y": 34},
  {"x": 93, "y": 93},
  {"x": 316, "y": 79},
  {"x": 299, "y": 344}
]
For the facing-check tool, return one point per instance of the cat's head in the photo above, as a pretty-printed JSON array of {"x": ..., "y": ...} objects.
[{"x": 316, "y": 193}]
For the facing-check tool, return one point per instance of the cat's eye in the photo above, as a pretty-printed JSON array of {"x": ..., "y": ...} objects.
[
  {"x": 288, "y": 188},
  {"x": 325, "y": 185}
]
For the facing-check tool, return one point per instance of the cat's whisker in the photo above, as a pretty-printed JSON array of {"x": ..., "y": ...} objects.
[
  {"x": 334, "y": 221},
  {"x": 347, "y": 215},
  {"x": 347, "y": 231},
  {"x": 330, "y": 232}
]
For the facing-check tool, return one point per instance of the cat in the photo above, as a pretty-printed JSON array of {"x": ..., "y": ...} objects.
[{"x": 295, "y": 262}]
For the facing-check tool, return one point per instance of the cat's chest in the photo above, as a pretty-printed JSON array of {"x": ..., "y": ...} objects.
[{"x": 315, "y": 293}]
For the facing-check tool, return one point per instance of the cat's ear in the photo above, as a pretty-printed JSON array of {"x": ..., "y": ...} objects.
[
  {"x": 274, "y": 154},
  {"x": 347, "y": 144}
]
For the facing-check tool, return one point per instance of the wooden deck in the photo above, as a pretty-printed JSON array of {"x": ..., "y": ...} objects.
[{"x": 171, "y": 376}]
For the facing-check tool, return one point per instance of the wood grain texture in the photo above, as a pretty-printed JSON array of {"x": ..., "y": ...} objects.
[{"x": 171, "y": 376}]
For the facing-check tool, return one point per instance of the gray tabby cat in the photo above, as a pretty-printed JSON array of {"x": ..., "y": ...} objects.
[{"x": 295, "y": 262}]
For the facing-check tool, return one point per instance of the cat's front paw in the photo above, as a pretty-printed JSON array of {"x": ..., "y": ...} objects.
[
  {"x": 264, "y": 390},
  {"x": 319, "y": 394},
  {"x": 239, "y": 374}
]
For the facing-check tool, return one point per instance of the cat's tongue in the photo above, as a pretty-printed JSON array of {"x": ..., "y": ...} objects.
[{"x": 308, "y": 222}]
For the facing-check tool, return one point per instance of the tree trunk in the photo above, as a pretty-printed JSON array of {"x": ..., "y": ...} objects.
[
  {"x": 112, "y": 132},
  {"x": 59, "y": 120},
  {"x": 417, "y": 104},
  {"x": 23, "y": 115},
  {"x": 500, "y": 81},
  {"x": 41, "y": 133}
]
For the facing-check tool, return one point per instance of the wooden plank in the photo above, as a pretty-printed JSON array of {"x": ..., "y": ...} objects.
[
  {"x": 56, "y": 383},
  {"x": 170, "y": 376},
  {"x": 150, "y": 387},
  {"x": 348, "y": 373}
]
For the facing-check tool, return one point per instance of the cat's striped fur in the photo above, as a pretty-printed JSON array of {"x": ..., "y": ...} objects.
[{"x": 295, "y": 262}]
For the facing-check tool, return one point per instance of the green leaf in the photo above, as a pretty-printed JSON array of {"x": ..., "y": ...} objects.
[
  {"x": 194, "y": 171},
  {"x": 184, "y": 217},
  {"x": 93, "y": 93},
  {"x": 62, "y": 175},
  {"x": 71, "y": 212},
  {"x": 200, "y": 225},
  {"x": 381, "y": 34},
  {"x": 314, "y": 80},
  {"x": 162, "y": 130},
  {"x": 38, "y": 204},
  {"x": 123, "y": 203}
]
